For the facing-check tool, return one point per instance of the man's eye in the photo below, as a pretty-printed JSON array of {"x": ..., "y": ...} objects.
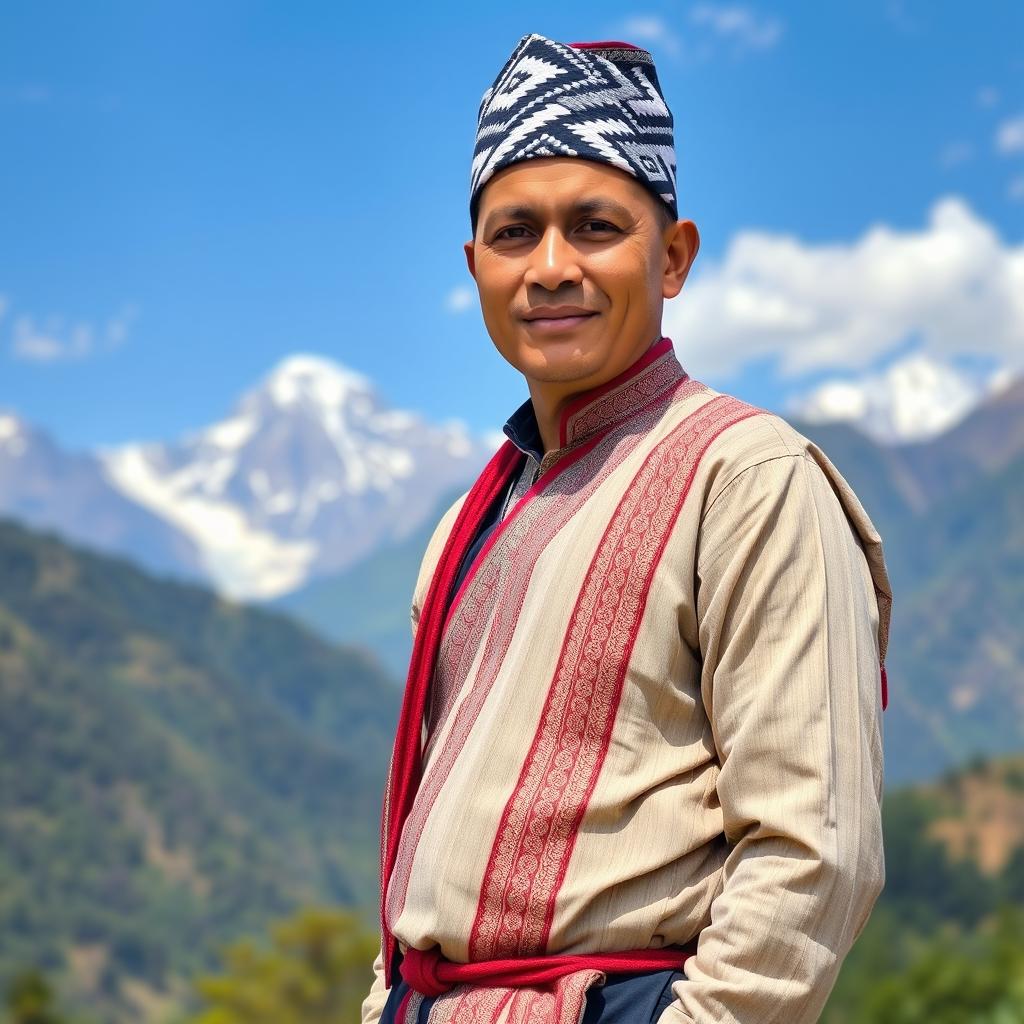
[
  {"x": 509, "y": 232},
  {"x": 599, "y": 225}
]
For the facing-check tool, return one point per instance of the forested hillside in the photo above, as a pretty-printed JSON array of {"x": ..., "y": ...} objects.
[
  {"x": 177, "y": 770},
  {"x": 945, "y": 943}
]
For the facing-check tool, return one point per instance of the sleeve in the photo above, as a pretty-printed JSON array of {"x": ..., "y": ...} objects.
[
  {"x": 373, "y": 1004},
  {"x": 788, "y": 621}
]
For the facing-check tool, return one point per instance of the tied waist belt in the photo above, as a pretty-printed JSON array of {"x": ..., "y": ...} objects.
[{"x": 430, "y": 974}]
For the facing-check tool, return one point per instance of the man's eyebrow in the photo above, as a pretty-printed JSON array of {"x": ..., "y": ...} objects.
[{"x": 523, "y": 211}]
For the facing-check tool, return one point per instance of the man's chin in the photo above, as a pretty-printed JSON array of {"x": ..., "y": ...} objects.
[
  {"x": 554, "y": 363},
  {"x": 558, "y": 357}
]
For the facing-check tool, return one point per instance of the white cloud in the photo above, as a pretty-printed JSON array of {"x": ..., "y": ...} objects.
[
  {"x": 649, "y": 28},
  {"x": 956, "y": 153},
  {"x": 738, "y": 24},
  {"x": 460, "y": 299},
  {"x": 953, "y": 284},
  {"x": 117, "y": 326},
  {"x": 987, "y": 96},
  {"x": 50, "y": 341},
  {"x": 54, "y": 339},
  {"x": 1010, "y": 135}
]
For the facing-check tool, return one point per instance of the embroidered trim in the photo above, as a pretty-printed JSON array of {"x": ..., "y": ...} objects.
[
  {"x": 622, "y": 400},
  {"x": 469, "y": 1004},
  {"x": 660, "y": 354},
  {"x": 563, "y": 1004}
]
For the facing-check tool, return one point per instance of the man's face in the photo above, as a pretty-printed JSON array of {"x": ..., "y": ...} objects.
[{"x": 558, "y": 232}]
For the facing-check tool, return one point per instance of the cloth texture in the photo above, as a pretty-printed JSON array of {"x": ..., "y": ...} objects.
[
  {"x": 654, "y": 714},
  {"x": 595, "y": 101}
]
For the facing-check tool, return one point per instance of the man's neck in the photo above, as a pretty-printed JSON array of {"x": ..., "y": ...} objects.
[{"x": 550, "y": 398}]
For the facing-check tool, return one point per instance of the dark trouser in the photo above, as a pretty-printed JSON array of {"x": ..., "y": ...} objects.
[{"x": 623, "y": 999}]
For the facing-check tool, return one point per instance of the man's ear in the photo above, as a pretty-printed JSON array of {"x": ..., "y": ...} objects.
[
  {"x": 680, "y": 252},
  {"x": 470, "y": 259}
]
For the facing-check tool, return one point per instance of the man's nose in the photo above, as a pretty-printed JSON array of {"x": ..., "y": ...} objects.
[{"x": 554, "y": 262}]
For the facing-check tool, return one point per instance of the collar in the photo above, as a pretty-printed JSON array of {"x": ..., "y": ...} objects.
[{"x": 599, "y": 408}]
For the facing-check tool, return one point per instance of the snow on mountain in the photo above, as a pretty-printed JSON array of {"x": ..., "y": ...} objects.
[
  {"x": 915, "y": 398},
  {"x": 13, "y": 441},
  {"x": 309, "y": 472},
  {"x": 47, "y": 487}
]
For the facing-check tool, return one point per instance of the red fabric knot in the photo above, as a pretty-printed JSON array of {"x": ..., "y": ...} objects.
[{"x": 419, "y": 968}]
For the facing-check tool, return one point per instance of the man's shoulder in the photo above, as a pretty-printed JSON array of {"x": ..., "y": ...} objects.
[{"x": 743, "y": 435}]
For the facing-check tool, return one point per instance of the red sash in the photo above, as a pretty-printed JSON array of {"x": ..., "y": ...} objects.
[{"x": 430, "y": 974}]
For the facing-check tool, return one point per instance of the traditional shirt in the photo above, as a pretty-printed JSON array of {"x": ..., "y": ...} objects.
[{"x": 654, "y": 715}]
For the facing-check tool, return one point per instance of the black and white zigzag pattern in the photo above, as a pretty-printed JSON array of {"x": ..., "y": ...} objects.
[{"x": 552, "y": 99}]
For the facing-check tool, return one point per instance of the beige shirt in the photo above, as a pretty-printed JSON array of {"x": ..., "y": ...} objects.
[{"x": 656, "y": 715}]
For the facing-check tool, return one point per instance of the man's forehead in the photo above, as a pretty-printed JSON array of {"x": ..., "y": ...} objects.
[{"x": 559, "y": 185}]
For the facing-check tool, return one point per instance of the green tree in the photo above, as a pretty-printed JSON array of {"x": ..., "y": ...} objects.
[
  {"x": 317, "y": 971},
  {"x": 29, "y": 1000},
  {"x": 958, "y": 978}
]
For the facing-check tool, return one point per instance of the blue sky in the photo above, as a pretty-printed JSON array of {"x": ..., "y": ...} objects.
[{"x": 191, "y": 191}]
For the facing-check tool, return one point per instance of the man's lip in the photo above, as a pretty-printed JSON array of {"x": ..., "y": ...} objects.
[
  {"x": 559, "y": 312},
  {"x": 557, "y": 324}
]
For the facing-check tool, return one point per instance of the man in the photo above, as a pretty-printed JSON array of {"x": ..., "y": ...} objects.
[{"x": 638, "y": 769}]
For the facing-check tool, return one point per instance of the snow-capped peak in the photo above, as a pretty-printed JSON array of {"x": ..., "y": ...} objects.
[
  {"x": 304, "y": 377},
  {"x": 308, "y": 472},
  {"x": 914, "y": 398},
  {"x": 13, "y": 432},
  {"x": 10, "y": 425}
]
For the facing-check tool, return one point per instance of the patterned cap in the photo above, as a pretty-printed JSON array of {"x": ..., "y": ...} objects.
[{"x": 597, "y": 101}]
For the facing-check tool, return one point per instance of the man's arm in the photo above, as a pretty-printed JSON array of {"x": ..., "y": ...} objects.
[
  {"x": 373, "y": 1004},
  {"x": 376, "y": 999},
  {"x": 791, "y": 683}
]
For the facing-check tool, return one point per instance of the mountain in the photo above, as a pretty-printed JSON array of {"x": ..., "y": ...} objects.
[
  {"x": 68, "y": 492},
  {"x": 316, "y": 499},
  {"x": 976, "y": 812},
  {"x": 951, "y": 514},
  {"x": 368, "y": 604},
  {"x": 178, "y": 769},
  {"x": 984, "y": 442},
  {"x": 310, "y": 473},
  {"x": 914, "y": 398},
  {"x": 958, "y": 660}
]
